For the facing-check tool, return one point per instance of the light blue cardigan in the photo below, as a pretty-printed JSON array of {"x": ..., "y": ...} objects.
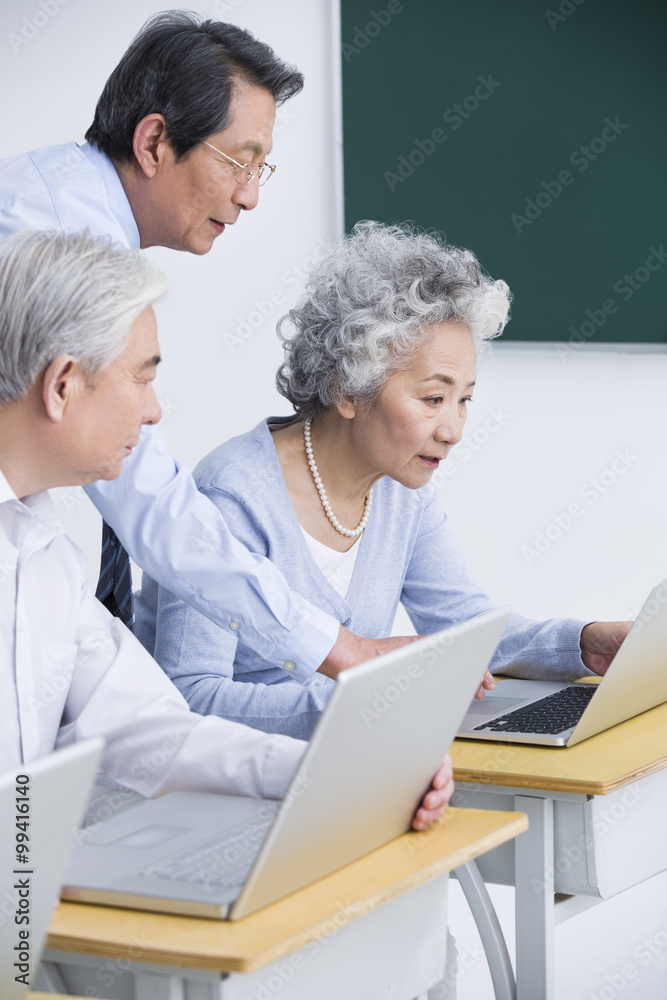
[{"x": 407, "y": 553}]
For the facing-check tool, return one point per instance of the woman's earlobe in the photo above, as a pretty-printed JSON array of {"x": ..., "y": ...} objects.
[{"x": 347, "y": 409}]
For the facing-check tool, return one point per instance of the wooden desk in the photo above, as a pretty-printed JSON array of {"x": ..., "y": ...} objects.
[
  {"x": 589, "y": 807},
  {"x": 597, "y": 766},
  {"x": 226, "y": 954}
]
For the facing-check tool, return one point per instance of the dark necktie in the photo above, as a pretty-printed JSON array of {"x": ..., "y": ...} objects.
[{"x": 114, "y": 588}]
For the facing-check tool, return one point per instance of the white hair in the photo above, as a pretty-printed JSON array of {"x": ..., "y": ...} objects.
[
  {"x": 67, "y": 293},
  {"x": 369, "y": 304}
]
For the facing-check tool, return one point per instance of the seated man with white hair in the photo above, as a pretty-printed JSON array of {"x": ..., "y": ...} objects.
[{"x": 78, "y": 355}]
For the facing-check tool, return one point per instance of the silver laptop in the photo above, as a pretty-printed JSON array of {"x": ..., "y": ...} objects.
[
  {"x": 41, "y": 804},
  {"x": 558, "y": 714},
  {"x": 372, "y": 756}
]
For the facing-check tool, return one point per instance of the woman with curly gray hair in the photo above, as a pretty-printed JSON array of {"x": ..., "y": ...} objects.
[
  {"x": 380, "y": 360},
  {"x": 368, "y": 309},
  {"x": 380, "y": 364}
]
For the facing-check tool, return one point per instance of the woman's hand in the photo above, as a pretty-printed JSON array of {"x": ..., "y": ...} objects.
[
  {"x": 436, "y": 799},
  {"x": 600, "y": 642},
  {"x": 488, "y": 684}
]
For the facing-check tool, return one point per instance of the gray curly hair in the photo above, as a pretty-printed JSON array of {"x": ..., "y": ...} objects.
[{"x": 369, "y": 304}]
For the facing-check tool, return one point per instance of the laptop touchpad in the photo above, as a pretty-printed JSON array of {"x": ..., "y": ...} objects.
[
  {"x": 492, "y": 705},
  {"x": 149, "y": 836}
]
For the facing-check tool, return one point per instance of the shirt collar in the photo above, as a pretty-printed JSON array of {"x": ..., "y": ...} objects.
[
  {"x": 39, "y": 505},
  {"x": 118, "y": 201},
  {"x": 6, "y": 492}
]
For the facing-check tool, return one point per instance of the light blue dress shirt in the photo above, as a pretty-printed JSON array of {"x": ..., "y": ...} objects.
[
  {"x": 168, "y": 527},
  {"x": 407, "y": 553}
]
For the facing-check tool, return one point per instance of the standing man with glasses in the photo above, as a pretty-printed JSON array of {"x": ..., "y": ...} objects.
[{"x": 177, "y": 150}]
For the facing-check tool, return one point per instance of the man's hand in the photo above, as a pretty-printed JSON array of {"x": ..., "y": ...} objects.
[
  {"x": 600, "y": 642},
  {"x": 351, "y": 649},
  {"x": 436, "y": 799},
  {"x": 487, "y": 684}
]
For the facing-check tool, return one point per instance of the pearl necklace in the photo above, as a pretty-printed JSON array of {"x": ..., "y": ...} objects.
[{"x": 350, "y": 532}]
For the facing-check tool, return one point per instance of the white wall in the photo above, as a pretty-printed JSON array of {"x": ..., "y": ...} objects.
[
  {"x": 551, "y": 428},
  {"x": 560, "y": 416}
]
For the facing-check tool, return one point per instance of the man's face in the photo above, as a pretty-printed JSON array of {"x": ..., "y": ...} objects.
[
  {"x": 105, "y": 417},
  {"x": 195, "y": 198}
]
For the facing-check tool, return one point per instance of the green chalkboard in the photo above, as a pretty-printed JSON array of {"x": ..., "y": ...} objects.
[{"x": 533, "y": 133}]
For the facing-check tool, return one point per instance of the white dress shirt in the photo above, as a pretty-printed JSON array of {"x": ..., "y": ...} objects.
[
  {"x": 167, "y": 526},
  {"x": 69, "y": 670}
]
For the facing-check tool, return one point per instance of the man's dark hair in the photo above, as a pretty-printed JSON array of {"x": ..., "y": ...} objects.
[{"x": 184, "y": 68}]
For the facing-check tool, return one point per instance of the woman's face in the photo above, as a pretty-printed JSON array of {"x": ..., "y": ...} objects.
[{"x": 420, "y": 413}]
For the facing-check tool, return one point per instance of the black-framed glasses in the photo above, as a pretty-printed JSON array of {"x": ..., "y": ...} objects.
[{"x": 247, "y": 171}]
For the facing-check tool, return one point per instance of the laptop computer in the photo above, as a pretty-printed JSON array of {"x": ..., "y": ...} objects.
[
  {"x": 561, "y": 714},
  {"x": 41, "y": 804},
  {"x": 373, "y": 753}
]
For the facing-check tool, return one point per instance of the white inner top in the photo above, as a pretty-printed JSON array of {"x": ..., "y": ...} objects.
[{"x": 338, "y": 567}]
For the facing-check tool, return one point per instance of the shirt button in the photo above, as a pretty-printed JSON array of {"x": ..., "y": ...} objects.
[
  {"x": 234, "y": 625},
  {"x": 289, "y": 665}
]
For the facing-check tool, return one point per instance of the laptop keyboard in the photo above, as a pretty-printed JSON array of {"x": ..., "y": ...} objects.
[
  {"x": 220, "y": 860},
  {"x": 551, "y": 715}
]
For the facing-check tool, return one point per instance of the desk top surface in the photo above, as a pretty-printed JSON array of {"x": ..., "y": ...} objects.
[
  {"x": 285, "y": 926},
  {"x": 596, "y": 766}
]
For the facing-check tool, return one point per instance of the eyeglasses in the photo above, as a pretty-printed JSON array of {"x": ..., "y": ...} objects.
[{"x": 247, "y": 171}]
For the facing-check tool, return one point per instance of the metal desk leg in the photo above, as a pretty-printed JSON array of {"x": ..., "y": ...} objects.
[
  {"x": 534, "y": 854},
  {"x": 490, "y": 931}
]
